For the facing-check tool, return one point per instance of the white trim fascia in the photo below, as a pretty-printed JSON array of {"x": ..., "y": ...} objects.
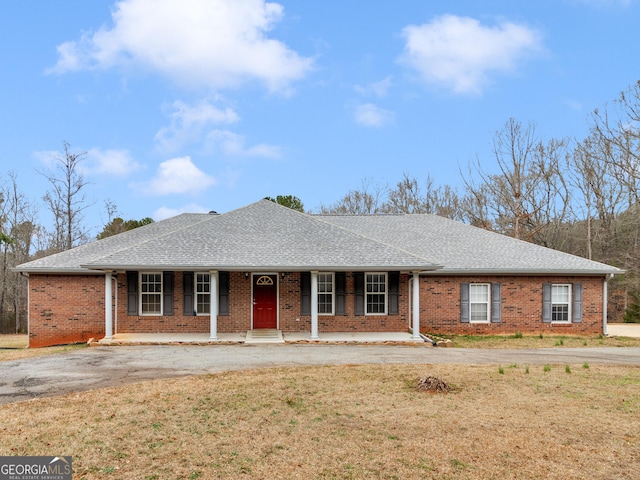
[
  {"x": 255, "y": 268},
  {"x": 523, "y": 272}
]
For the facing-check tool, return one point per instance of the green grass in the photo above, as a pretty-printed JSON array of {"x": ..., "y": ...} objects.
[{"x": 520, "y": 341}]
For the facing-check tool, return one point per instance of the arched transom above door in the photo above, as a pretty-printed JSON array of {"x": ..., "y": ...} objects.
[{"x": 264, "y": 280}]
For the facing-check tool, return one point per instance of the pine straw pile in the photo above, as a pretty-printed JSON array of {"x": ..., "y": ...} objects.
[
  {"x": 351, "y": 422},
  {"x": 432, "y": 385}
]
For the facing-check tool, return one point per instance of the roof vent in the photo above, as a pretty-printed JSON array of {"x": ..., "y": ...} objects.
[{"x": 213, "y": 212}]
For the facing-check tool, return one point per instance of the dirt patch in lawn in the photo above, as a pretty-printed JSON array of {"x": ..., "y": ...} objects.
[{"x": 357, "y": 422}]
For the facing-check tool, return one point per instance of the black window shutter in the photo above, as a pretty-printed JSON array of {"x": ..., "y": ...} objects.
[
  {"x": 577, "y": 303},
  {"x": 341, "y": 293},
  {"x": 132, "y": 293},
  {"x": 465, "y": 315},
  {"x": 496, "y": 302},
  {"x": 305, "y": 293},
  {"x": 167, "y": 293},
  {"x": 223, "y": 293},
  {"x": 358, "y": 290},
  {"x": 187, "y": 291},
  {"x": 546, "y": 302},
  {"x": 394, "y": 293}
]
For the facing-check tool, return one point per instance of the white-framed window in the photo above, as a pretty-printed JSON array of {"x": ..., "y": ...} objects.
[
  {"x": 150, "y": 293},
  {"x": 479, "y": 302},
  {"x": 326, "y": 287},
  {"x": 375, "y": 293},
  {"x": 203, "y": 293},
  {"x": 561, "y": 303}
]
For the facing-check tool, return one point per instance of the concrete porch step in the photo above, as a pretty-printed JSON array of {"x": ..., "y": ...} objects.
[{"x": 266, "y": 335}]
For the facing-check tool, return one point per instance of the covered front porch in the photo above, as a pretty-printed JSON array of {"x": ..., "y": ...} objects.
[
  {"x": 234, "y": 306},
  {"x": 261, "y": 336}
]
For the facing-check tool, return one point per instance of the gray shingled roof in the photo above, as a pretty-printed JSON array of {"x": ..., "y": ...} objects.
[
  {"x": 267, "y": 236},
  {"x": 463, "y": 248},
  {"x": 69, "y": 261}
]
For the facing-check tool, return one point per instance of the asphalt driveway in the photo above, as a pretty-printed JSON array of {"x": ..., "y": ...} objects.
[{"x": 99, "y": 367}]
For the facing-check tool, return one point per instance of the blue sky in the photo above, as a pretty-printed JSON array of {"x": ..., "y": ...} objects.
[{"x": 199, "y": 105}]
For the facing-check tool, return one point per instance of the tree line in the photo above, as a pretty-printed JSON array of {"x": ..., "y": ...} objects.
[{"x": 579, "y": 196}]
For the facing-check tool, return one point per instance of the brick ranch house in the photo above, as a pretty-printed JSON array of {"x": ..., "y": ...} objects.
[{"x": 266, "y": 266}]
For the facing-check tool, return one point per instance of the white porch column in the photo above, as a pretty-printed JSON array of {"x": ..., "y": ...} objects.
[
  {"x": 314, "y": 305},
  {"x": 416, "y": 306},
  {"x": 605, "y": 303},
  {"x": 108, "y": 309},
  {"x": 213, "y": 318}
]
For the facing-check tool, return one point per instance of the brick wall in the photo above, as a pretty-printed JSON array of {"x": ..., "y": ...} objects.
[
  {"x": 292, "y": 321},
  {"x": 68, "y": 309},
  {"x": 239, "y": 319},
  {"x": 521, "y": 306},
  {"x": 240, "y": 305},
  {"x": 65, "y": 309},
  {"x": 176, "y": 323}
]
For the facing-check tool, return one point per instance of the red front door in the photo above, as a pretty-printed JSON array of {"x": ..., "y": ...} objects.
[{"x": 265, "y": 301}]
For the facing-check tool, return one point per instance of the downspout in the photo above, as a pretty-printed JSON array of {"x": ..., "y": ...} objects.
[{"x": 605, "y": 303}]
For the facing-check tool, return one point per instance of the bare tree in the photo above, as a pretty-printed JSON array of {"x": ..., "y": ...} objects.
[
  {"x": 18, "y": 219},
  {"x": 366, "y": 201},
  {"x": 551, "y": 198},
  {"x": 66, "y": 200},
  {"x": 447, "y": 203},
  {"x": 475, "y": 202},
  {"x": 619, "y": 124},
  {"x": 408, "y": 197},
  {"x": 505, "y": 194},
  {"x": 528, "y": 195}
]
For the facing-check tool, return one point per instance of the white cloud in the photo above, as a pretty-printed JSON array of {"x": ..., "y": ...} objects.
[
  {"x": 459, "y": 53},
  {"x": 178, "y": 175},
  {"x": 605, "y": 3},
  {"x": 234, "y": 145},
  {"x": 196, "y": 124},
  {"x": 96, "y": 161},
  {"x": 574, "y": 105},
  {"x": 111, "y": 162},
  {"x": 210, "y": 43},
  {"x": 378, "y": 89},
  {"x": 189, "y": 123},
  {"x": 163, "y": 213},
  {"x": 48, "y": 158},
  {"x": 371, "y": 115}
]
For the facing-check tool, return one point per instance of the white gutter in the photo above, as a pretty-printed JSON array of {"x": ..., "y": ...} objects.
[
  {"x": 97, "y": 269},
  {"x": 525, "y": 272},
  {"x": 28, "y": 311}
]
